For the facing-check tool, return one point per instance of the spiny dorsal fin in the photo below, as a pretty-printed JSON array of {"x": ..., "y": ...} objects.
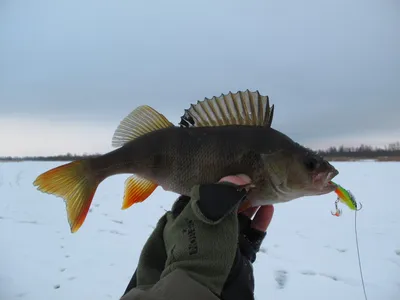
[
  {"x": 140, "y": 121},
  {"x": 241, "y": 108}
]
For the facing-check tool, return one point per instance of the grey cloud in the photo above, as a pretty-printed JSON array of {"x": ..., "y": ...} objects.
[{"x": 330, "y": 67}]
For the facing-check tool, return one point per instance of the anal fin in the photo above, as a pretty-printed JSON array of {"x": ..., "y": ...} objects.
[{"x": 137, "y": 190}]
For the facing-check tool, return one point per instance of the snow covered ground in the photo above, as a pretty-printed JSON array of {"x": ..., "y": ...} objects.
[{"x": 308, "y": 253}]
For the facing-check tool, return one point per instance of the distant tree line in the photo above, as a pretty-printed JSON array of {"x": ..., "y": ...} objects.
[
  {"x": 61, "y": 157},
  {"x": 389, "y": 152}
]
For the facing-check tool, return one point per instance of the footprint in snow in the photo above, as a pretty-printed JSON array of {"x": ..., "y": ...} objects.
[
  {"x": 71, "y": 278},
  {"x": 62, "y": 269},
  {"x": 20, "y": 295},
  {"x": 116, "y": 232},
  {"x": 281, "y": 278},
  {"x": 301, "y": 235},
  {"x": 394, "y": 262},
  {"x": 308, "y": 272},
  {"x": 27, "y": 222},
  {"x": 333, "y": 277},
  {"x": 330, "y": 276},
  {"x": 117, "y": 221},
  {"x": 111, "y": 231},
  {"x": 18, "y": 178},
  {"x": 263, "y": 250},
  {"x": 397, "y": 252},
  {"x": 57, "y": 286},
  {"x": 341, "y": 250}
]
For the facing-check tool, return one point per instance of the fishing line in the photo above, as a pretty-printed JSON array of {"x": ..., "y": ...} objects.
[
  {"x": 358, "y": 254},
  {"x": 348, "y": 198}
]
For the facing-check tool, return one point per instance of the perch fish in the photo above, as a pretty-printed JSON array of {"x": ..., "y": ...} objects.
[{"x": 216, "y": 137}]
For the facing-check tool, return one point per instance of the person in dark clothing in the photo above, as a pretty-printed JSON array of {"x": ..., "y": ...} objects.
[{"x": 203, "y": 249}]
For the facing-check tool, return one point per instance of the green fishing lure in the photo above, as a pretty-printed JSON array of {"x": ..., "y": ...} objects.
[{"x": 346, "y": 197}]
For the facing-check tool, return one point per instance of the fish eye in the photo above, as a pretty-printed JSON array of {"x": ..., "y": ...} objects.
[{"x": 311, "y": 163}]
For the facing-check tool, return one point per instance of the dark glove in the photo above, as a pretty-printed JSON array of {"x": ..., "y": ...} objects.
[{"x": 204, "y": 236}]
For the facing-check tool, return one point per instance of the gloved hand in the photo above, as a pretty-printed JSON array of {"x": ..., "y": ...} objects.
[{"x": 204, "y": 236}]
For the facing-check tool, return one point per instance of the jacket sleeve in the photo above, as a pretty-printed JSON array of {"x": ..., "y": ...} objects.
[
  {"x": 203, "y": 242},
  {"x": 177, "y": 285}
]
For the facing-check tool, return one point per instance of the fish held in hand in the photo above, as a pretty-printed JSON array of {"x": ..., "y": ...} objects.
[{"x": 225, "y": 135}]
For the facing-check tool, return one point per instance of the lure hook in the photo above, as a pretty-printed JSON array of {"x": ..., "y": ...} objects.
[{"x": 338, "y": 211}]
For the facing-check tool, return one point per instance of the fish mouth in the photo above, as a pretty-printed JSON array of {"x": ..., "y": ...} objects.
[{"x": 322, "y": 182}]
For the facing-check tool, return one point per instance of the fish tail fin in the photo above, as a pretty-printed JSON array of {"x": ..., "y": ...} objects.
[{"x": 76, "y": 183}]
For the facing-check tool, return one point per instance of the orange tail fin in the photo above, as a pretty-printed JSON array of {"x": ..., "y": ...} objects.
[{"x": 73, "y": 182}]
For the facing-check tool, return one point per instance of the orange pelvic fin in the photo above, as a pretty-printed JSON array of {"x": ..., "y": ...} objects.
[
  {"x": 137, "y": 190},
  {"x": 73, "y": 182}
]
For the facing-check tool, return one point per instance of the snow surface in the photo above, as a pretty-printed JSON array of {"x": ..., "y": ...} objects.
[{"x": 308, "y": 253}]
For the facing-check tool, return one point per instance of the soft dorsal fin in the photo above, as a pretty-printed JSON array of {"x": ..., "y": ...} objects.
[
  {"x": 140, "y": 121},
  {"x": 241, "y": 108}
]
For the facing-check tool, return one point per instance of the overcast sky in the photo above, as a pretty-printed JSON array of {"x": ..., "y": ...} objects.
[{"x": 71, "y": 70}]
